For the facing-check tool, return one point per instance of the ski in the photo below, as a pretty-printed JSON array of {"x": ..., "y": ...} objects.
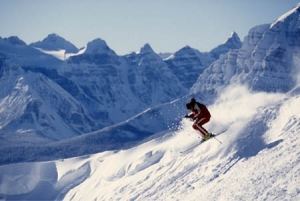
[{"x": 202, "y": 141}]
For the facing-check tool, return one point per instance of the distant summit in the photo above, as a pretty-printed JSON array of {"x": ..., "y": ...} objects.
[
  {"x": 98, "y": 46},
  {"x": 96, "y": 52},
  {"x": 54, "y": 42},
  {"x": 187, "y": 63},
  {"x": 186, "y": 50},
  {"x": 14, "y": 40},
  {"x": 146, "y": 49},
  {"x": 233, "y": 42}
]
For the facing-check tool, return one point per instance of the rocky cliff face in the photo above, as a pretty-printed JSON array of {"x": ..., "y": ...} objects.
[
  {"x": 264, "y": 62},
  {"x": 151, "y": 79},
  {"x": 233, "y": 42},
  {"x": 188, "y": 63}
]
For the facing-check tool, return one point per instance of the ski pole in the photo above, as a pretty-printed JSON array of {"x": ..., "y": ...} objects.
[{"x": 217, "y": 140}]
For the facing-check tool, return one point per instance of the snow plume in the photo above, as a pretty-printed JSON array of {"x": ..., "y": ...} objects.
[
  {"x": 236, "y": 107},
  {"x": 237, "y": 103}
]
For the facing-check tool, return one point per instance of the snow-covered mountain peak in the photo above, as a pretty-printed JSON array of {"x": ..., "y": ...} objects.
[
  {"x": 186, "y": 50},
  {"x": 234, "y": 39},
  {"x": 14, "y": 40},
  {"x": 293, "y": 12},
  {"x": 234, "y": 34},
  {"x": 146, "y": 49},
  {"x": 187, "y": 63},
  {"x": 55, "y": 42},
  {"x": 98, "y": 46},
  {"x": 147, "y": 57},
  {"x": 18, "y": 52},
  {"x": 265, "y": 61},
  {"x": 96, "y": 52},
  {"x": 233, "y": 42},
  {"x": 53, "y": 37}
]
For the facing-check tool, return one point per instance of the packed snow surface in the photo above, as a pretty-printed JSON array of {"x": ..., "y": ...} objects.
[{"x": 257, "y": 160}]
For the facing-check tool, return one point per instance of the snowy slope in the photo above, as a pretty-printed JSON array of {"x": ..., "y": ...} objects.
[
  {"x": 175, "y": 167},
  {"x": 34, "y": 108},
  {"x": 158, "y": 171},
  {"x": 93, "y": 93},
  {"x": 122, "y": 103},
  {"x": 131, "y": 132}
]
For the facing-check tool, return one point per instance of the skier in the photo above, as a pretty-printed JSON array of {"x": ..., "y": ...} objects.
[{"x": 200, "y": 115}]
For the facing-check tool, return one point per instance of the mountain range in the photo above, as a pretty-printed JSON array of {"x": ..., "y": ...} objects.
[
  {"x": 89, "y": 124},
  {"x": 93, "y": 90},
  {"x": 47, "y": 99}
]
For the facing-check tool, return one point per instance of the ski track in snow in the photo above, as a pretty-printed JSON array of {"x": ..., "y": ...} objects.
[{"x": 258, "y": 160}]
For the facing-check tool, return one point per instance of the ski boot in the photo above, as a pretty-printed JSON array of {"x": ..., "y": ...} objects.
[{"x": 207, "y": 136}]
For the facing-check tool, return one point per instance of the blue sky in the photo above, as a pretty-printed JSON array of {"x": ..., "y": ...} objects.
[{"x": 126, "y": 25}]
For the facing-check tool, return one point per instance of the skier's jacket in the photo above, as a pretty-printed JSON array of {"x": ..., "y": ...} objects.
[{"x": 199, "y": 111}]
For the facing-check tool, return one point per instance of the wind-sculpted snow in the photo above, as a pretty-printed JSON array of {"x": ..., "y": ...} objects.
[
  {"x": 264, "y": 133},
  {"x": 39, "y": 181}
]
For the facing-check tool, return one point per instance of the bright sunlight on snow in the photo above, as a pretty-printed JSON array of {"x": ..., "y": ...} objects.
[{"x": 176, "y": 167}]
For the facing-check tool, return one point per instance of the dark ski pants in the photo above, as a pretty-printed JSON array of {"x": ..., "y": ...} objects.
[{"x": 199, "y": 123}]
